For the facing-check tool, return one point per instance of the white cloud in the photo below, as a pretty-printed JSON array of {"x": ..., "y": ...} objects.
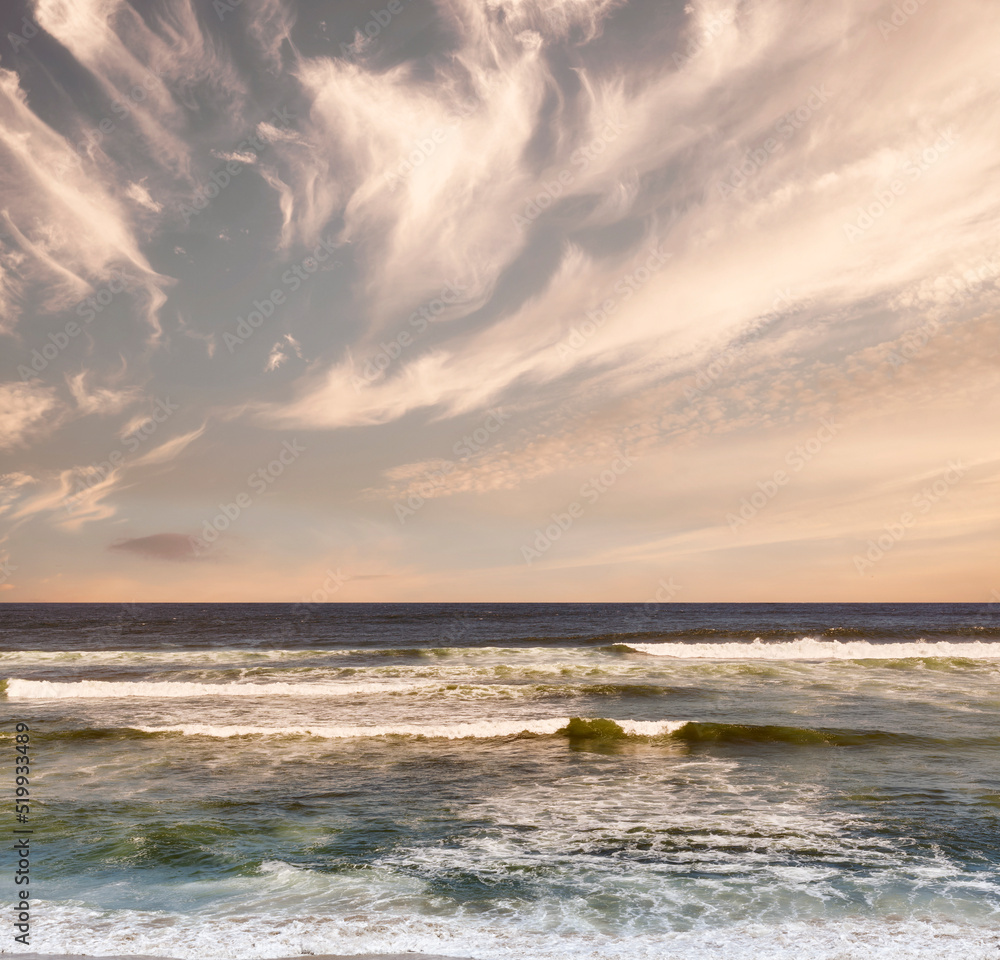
[
  {"x": 70, "y": 229},
  {"x": 282, "y": 351},
  {"x": 139, "y": 193},
  {"x": 781, "y": 227},
  {"x": 99, "y": 400},
  {"x": 27, "y": 410},
  {"x": 11, "y": 489},
  {"x": 166, "y": 452}
]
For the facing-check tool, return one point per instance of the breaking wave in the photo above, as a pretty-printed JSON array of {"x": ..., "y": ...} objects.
[
  {"x": 808, "y": 648},
  {"x": 105, "y": 689}
]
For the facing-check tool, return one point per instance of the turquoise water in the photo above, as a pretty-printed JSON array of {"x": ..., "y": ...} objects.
[{"x": 683, "y": 790}]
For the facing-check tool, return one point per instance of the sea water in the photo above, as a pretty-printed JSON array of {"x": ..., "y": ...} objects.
[{"x": 510, "y": 781}]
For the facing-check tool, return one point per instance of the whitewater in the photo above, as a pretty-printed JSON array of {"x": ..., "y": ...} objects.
[{"x": 537, "y": 782}]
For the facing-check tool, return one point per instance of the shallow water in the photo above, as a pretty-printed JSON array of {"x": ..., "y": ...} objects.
[{"x": 507, "y": 782}]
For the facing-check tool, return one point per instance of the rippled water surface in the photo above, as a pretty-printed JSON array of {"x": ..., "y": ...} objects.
[{"x": 512, "y": 781}]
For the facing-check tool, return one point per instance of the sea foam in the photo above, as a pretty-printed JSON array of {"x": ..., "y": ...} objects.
[
  {"x": 482, "y": 729},
  {"x": 108, "y": 689},
  {"x": 808, "y": 648},
  {"x": 378, "y": 933}
]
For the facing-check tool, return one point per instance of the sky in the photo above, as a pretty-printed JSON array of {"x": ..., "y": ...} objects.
[{"x": 499, "y": 300}]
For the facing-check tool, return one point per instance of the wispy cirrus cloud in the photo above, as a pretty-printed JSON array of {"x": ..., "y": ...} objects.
[
  {"x": 682, "y": 229},
  {"x": 66, "y": 229},
  {"x": 100, "y": 400},
  {"x": 172, "y": 448},
  {"x": 26, "y": 411},
  {"x": 824, "y": 162}
]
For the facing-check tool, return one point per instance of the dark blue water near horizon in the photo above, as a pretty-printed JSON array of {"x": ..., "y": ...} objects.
[{"x": 93, "y": 626}]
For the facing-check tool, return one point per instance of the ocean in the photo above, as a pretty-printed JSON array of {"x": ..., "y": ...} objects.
[{"x": 508, "y": 781}]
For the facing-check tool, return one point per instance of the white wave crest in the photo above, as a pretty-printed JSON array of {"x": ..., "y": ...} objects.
[
  {"x": 79, "y": 932},
  {"x": 223, "y": 656},
  {"x": 107, "y": 689},
  {"x": 809, "y": 648},
  {"x": 480, "y": 730}
]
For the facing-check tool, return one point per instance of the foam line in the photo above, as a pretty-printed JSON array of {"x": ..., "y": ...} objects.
[
  {"x": 106, "y": 689},
  {"x": 809, "y": 648},
  {"x": 483, "y": 729}
]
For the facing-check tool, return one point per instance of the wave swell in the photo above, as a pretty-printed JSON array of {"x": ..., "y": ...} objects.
[
  {"x": 108, "y": 689},
  {"x": 572, "y": 727},
  {"x": 808, "y": 648}
]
